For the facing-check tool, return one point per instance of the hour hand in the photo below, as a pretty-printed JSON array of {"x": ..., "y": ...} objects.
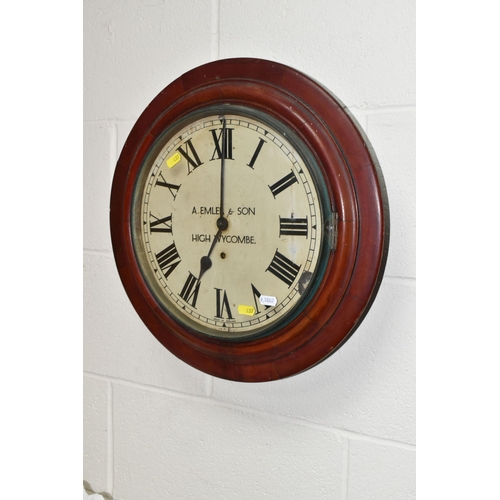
[
  {"x": 206, "y": 261},
  {"x": 205, "y": 265}
]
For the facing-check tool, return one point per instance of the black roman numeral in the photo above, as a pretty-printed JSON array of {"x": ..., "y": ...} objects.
[
  {"x": 221, "y": 304},
  {"x": 173, "y": 188},
  {"x": 228, "y": 154},
  {"x": 190, "y": 290},
  {"x": 283, "y": 268},
  {"x": 256, "y": 297},
  {"x": 256, "y": 153},
  {"x": 283, "y": 183},
  {"x": 163, "y": 225},
  {"x": 168, "y": 259},
  {"x": 194, "y": 160},
  {"x": 293, "y": 227}
]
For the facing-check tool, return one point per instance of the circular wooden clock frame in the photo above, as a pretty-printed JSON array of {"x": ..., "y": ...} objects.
[{"x": 356, "y": 188}]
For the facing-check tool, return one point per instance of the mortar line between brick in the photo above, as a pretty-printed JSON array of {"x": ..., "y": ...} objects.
[
  {"x": 110, "y": 442},
  {"x": 209, "y": 386},
  {"x": 98, "y": 252},
  {"x": 353, "y": 436},
  {"x": 113, "y": 152},
  {"x": 400, "y": 279},
  {"x": 345, "y": 471},
  {"x": 404, "y": 108},
  {"x": 215, "y": 34}
]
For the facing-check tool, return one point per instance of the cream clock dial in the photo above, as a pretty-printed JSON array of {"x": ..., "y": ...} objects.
[{"x": 229, "y": 223}]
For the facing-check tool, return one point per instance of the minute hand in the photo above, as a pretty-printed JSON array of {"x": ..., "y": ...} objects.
[{"x": 222, "y": 167}]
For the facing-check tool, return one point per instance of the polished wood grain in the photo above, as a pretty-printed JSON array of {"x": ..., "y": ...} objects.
[{"x": 355, "y": 184}]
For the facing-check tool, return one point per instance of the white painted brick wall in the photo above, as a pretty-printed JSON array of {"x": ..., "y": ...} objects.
[{"x": 154, "y": 427}]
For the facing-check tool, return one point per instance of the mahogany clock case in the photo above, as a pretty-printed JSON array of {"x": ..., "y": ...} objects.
[{"x": 352, "y": 269}]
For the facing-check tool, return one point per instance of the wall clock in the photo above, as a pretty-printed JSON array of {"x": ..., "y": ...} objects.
[{"x": 249, "y": 220}]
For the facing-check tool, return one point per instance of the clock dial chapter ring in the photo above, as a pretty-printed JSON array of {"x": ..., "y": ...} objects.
[{"x": 245, "y": 184}]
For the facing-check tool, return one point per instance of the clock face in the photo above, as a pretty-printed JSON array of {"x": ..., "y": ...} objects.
[{"x": 228, "y": 223}]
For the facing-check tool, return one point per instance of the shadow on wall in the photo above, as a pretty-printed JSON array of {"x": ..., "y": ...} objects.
[{"x": 89, "y": 494}]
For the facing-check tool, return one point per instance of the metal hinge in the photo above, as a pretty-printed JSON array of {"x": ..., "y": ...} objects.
[{"x": 332, "y": 231}]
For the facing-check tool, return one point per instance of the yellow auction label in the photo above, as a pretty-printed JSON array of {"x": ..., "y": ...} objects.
[
  {"x": 246, "y": 310},
  {"x": 173, "y": 160}
]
